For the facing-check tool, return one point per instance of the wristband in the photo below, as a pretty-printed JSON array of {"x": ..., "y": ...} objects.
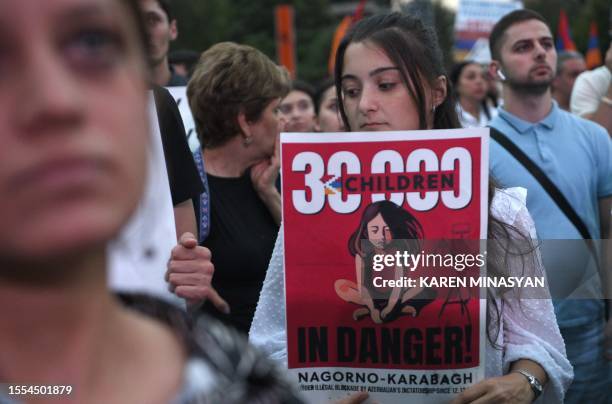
[
  {"x": 606, "y": 100},
  {"x": 534, "y": 383}
]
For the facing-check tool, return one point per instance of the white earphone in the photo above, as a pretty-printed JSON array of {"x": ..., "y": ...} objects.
[{"x": 501, "y": 75}]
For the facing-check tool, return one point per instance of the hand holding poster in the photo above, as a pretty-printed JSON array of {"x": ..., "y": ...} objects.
[{"x": 377, "y": 287}]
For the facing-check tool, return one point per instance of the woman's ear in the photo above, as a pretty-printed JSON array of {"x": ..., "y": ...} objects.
[
  {"x": 245, "y": 127},
  {"x": 439, "y": 91}
]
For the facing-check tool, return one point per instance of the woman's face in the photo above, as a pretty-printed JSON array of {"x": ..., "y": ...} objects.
[
  {"x": 374, "y": 95},
  {"x": 73, "y": 125},
  {"x": 472, "y": 83},
  {"x": 265, "y": 130},
  {"x": 297, "y": 110},
  {"x": 329, "y": 118},
  {"x": 378, "y": 232}
]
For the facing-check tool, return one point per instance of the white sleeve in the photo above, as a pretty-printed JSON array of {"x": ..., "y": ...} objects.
[
  {"x": 268, "y": 329},
  {"x": 585, "y": 94},
  {"x": 530, "y": 326}
]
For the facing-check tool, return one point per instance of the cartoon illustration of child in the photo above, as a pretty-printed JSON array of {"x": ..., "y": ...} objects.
[{"x": 384, "y": 229}]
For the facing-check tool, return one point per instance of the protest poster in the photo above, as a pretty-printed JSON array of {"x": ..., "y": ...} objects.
[
  {"x": 346, "y": 331},
  {"x": 180, "y": 96}
]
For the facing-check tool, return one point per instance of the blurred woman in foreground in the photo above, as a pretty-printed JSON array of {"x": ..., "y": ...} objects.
[{"x": 73, "y": 129}]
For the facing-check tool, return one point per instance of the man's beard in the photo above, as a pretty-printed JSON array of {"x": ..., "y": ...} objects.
[{"x": 529, "y": 87}]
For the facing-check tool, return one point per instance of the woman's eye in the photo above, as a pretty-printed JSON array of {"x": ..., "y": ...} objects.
[
  {"x": 93, "y": 49},
  {"x": 386, "y": 86},
  {"x": 351, "y": 92}
]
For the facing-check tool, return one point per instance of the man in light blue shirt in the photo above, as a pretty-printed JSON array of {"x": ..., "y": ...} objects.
[{"x": 576, "y": 155}]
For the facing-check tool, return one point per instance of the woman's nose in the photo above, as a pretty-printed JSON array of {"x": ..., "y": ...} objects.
[
  {"x": 367, "y": 100},
  {"x": 53, "y": 96}
]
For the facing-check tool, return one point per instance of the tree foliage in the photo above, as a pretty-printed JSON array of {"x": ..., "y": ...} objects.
[
  {"x": 203, "y": 23},
  {"x": 580, "y": 13}
]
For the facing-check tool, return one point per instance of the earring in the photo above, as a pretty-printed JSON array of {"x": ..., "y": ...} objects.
[
  {"x": 433, "y": 109},
  {"x": 247, "y": 141}
]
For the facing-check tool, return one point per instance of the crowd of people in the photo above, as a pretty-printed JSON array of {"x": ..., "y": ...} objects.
[{"x": 92, "y": 298}]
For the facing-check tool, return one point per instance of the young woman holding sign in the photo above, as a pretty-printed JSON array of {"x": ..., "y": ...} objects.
[{"x": 389, "y": 76}]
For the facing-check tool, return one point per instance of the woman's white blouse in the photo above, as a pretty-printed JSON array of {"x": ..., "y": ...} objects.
[{"x": 527, "y": 332}]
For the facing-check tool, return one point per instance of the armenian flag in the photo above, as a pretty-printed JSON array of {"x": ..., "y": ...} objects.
[
  {"x": 344, "y": 25},
  {"x": 593, "y": 54},
  {"x": 564, "y": 35}
]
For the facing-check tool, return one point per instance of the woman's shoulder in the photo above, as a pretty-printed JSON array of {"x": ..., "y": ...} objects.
[
  {"x": 507, "y": 202},
  {"x": 509, "y": 205},
  {"x": 221, "y": 365},
  {"x": 234, "y": 370}
]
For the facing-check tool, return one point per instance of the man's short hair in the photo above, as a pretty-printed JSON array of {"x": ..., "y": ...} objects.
[
  {"x": 564, "y": 56},
  {"x": 499, "y": 30},
  {"x": 166, "y": 5}
]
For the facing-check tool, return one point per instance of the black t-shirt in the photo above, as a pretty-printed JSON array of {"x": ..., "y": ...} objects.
[
  {"x": 242, "y": 237},
  {"x": 185, "y": 182}
]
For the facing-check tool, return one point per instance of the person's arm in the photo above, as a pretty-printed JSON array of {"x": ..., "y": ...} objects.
[
  {"x": 184, "y": 218},
  {"x": 603, "y": 113},
  {"x": 190, "y": 274},
  {"x": 511, "y": 388},
  {"x": 530, "y": 337},
  {"x": 190, "y": 271}
]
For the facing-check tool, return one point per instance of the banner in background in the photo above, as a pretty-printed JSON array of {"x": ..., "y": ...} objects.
[
  {"x": 180, "y": 96},
  {"x": 285, "y": 38},
  {"x": 475, "y": 19}
]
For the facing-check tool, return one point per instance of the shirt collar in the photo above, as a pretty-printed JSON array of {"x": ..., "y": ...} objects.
[{"x": 522, "y": 126}]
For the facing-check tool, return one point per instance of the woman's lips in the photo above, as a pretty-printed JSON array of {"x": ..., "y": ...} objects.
[
  {"x": 372, "y": 125},
  {"x": 61, "y": 174}
]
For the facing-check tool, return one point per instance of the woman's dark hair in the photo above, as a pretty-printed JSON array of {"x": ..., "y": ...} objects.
[
  {"x": 454, "y": 76},
  {"x": 303, "y": 86},
  {"x": 414, "y": 49},
  {"x": 457, "y": 69},
  {"x": 321, "y": 89},
  {"x": 402, "y": 225}
]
